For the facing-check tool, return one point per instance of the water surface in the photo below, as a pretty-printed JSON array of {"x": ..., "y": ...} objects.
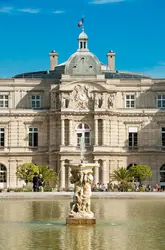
[{"x": 121, "y": 225}]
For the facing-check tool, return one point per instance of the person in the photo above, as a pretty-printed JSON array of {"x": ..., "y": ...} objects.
[
  {"x": 41, "y": 183},
  {"x": 35, "y": 183}
]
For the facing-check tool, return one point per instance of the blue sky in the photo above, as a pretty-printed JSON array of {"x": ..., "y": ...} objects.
[{"x": 30, "y": 29}]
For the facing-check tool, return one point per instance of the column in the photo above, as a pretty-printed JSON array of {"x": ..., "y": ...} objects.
[
  {"x": 104, "y": 132},
  {"x": 96, "y": 132},
  {"x": 62, "y": 132},
  {"x": 96, "y": 173},
  {"x": 105, "y": 178},
  {"x": 62, "y": 175},
  {"x": 11, "y": 174},
  {"x": 70, "y": 132}
]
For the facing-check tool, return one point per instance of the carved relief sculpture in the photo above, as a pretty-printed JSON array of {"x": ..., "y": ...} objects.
[{"x": 81, "y": 97}]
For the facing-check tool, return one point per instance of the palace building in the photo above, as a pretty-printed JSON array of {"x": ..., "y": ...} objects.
[{"x": 44, "y": 114}]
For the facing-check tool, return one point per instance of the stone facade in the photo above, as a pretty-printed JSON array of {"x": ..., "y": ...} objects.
[{"x": 44, "y": 114}]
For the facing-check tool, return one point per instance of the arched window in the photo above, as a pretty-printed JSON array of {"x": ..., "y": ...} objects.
[
  {"x": 83, "y": 130},
  {"x": 162, "y": 174},
  {"x": 3, "y": 173}
]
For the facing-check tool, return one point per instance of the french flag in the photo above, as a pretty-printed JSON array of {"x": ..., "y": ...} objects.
[{"x": 81, "y": 22}]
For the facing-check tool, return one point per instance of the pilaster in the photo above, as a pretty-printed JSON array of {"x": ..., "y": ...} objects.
[
  {"x": 96, "y": 132},
  {"x": 70, "y": 132},
  {"x": 105, "y": 177},
  {"x": 62, "y": 132},
  {"x": 96, "y": 173},
  {"x": 62, "y": 175}
]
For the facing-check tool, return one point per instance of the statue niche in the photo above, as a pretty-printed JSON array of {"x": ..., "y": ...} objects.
[{"x": 65, "y": 99}]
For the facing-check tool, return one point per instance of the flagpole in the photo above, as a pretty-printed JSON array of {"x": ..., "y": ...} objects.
[{"x": 83, "y": 23}]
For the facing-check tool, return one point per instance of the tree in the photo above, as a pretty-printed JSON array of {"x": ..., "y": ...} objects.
[
  {"x": 26, "y": 172},
  {"x": 49, "y": 175},
  {"x": 140, "y": 172},
  {"x": 121, "y": 175}
]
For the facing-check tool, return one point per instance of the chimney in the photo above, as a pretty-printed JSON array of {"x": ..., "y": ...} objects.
[
  {"x": 111, "y": 60},
  {"x": 53, "y": 59}
]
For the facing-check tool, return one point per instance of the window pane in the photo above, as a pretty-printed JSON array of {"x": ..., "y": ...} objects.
[
  {"x": 6, "y": 104},
  {"x": 37, "y": 104},
  {"x": 127, "y": 104},
  {"x": 30, "y": 140},
  {"x": 86, "y": 126},
  {"x": 35, "y": 139},
  {"x": 163, "y": 103},
  {"x": 132, "y": 104},
  {"x": 127, "y": 97},
  {"x": 132, "y": 97},
  {"x": 159, "y": 104}
]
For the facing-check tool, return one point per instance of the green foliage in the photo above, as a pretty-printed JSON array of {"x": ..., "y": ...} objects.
[
  {"x": 140, "y": 172},
  {"x": 121, "y": 175},
  {"x": 26, "y": 172},
  {"x": 49, "y": 175}
]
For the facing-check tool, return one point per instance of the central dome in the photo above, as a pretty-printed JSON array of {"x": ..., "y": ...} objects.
[{"x": 83, "y": 63}]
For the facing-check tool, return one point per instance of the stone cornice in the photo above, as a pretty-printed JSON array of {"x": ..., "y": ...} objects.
[
  {"x": 33, "y": 122},
  {"x": 42, "y": 113},
  {"x": 133, "y": 122}
]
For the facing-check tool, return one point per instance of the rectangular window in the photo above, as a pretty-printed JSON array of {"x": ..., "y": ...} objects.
[
  {"x": 161, "y": 101},
  {"x": 87, "y": 139},
  {"x": 33, "y": 137},
  {"x": 36, "y": 101},
  {"x": 130, "y": 101},
  {"x": 79, "y": 139},
  {"x": 132, "y": 138},
  {"x": 4, "y": 101},
  {"x": 163, "y": 137},
  {"x": 2, "y": 137}
]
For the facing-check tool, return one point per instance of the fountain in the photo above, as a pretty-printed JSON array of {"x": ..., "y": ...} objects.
[{"x": 82, "y": 178}]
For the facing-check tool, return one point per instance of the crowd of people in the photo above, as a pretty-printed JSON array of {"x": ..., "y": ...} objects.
[
  {"x": 38, "y": 183},
  {"x": 136, "y": 187}
]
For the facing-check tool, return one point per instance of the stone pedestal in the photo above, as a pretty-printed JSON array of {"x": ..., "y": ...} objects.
[{"x": 80, "y": 221}]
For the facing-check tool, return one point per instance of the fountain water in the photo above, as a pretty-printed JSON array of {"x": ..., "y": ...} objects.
[{"x": 82, "y": 178}]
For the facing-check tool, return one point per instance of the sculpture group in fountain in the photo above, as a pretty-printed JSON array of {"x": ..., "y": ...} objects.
[
  {"x": 80, "y": 207},
  {"x": 82, "y": 178}
]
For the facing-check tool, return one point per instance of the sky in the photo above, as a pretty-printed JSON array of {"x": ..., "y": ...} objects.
[{"x": 133, "y": 29}]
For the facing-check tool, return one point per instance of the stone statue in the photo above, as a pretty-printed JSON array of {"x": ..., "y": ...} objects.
[
  {"x": 80, "y": 207},
  {"x": 98, "y": 100},
  {"x": 110, "y": 101}
]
